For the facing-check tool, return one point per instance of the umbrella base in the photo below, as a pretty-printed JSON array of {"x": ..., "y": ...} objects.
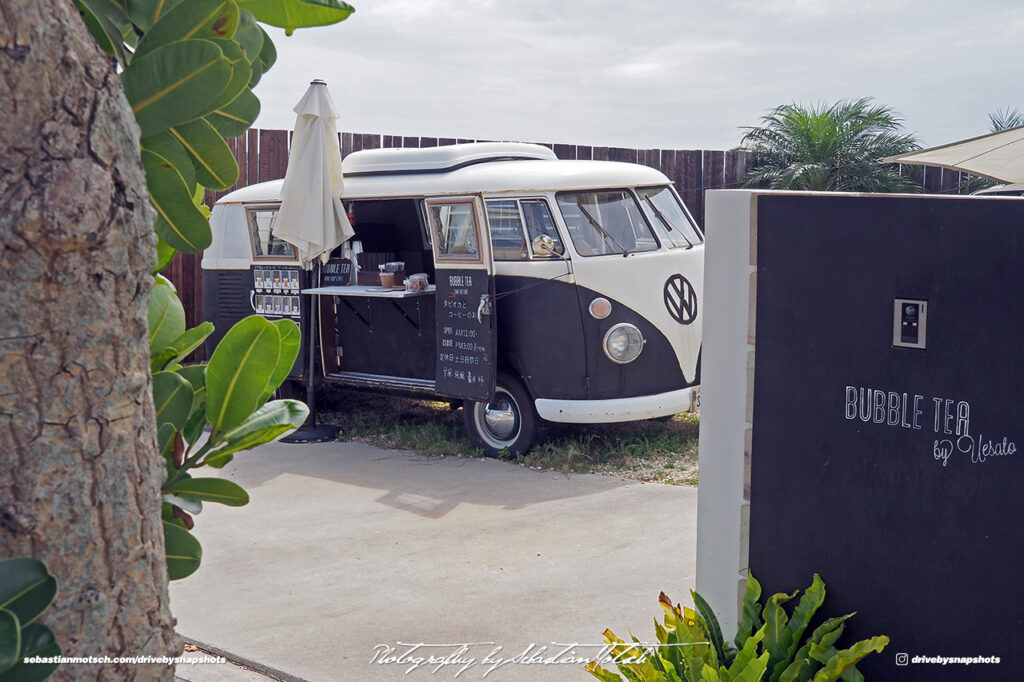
[{"x": 318, "y": 433}]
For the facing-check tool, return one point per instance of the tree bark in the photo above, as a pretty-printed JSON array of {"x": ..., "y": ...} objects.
[{"x": 79, "y": 471}]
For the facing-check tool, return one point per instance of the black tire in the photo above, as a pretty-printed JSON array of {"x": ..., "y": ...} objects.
[{"x": 507, "y": 424}]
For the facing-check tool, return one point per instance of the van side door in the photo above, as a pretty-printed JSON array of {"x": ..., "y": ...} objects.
[{"x": 464, "y": 308}]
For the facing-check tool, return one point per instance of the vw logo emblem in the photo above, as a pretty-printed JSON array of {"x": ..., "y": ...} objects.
[{"x": 680, "y": 299}]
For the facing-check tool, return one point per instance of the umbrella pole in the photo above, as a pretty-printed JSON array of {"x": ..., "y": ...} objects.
[{"x": 310, "y": 432}]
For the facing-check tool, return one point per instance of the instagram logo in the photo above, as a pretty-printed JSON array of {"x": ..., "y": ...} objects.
[{"x": 901, "y": 659}]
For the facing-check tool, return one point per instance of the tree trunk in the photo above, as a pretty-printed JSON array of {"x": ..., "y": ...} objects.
[{"x": 79, "y": 472}]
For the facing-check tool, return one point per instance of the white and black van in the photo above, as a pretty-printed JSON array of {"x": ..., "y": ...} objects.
[{"x": 564, "y": 290}]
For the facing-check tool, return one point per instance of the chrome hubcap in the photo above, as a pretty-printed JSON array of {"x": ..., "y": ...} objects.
[{"x": 500, "y": 418}]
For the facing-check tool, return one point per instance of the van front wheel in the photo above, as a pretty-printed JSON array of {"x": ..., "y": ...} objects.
[{"x": 507, "y": 424}]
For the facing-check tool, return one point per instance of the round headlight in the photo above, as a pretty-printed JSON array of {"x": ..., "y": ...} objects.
[{"x": 623, "y": 343}]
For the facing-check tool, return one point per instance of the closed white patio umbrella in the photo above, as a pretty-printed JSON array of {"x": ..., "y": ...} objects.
[
  {"x": 999, "y": 156},
  {"x": 312, "y": 216}
]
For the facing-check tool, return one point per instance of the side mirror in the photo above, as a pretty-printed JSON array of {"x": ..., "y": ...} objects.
[{"x": 544, "y": 246}]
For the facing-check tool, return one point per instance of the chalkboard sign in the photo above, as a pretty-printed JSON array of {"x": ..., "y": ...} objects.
[
  {"x": 337, "y": 272},
  {"x": 894, "y": 472},
  {"x": 465, "y": 338}
]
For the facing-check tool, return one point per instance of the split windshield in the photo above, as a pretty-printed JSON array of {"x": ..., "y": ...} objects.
[
  {"x": 668, "y": 217},
  {"x": 605, "y": 222}
]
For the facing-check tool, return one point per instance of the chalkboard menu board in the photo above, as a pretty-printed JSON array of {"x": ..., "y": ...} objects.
[
  {"x": 465, "y": 335},
  {"x": 337, "y": 272}
]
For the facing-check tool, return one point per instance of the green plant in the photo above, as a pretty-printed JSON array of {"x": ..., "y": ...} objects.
[
  {"x": 188, "y": 68},
  {"x": 229, "y": 395},
  {"x": 27, "y": 588},
  {"x": 828, "y": 148},
  {"x": 769, "y": 644}
]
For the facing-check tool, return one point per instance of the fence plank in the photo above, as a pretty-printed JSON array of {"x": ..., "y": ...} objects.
[
  {"x": 428, "y": 142},
  {"x": 273, "y": 154},
  {"x": 691, "y": 177},
  {"x": 411, "y": 142},
  {"x": 622, "y": 154},
  {"x": 737, "y": 163}
]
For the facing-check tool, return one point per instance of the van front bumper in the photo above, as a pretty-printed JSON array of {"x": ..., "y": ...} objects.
[{"x": 616, "y": 409}]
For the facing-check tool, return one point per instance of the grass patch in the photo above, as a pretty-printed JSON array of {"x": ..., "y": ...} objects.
[{"x": 658, "y": 450}]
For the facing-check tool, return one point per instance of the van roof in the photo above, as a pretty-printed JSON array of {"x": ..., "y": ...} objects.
[
  {"x": 460, "y": 169},
  {"x": 398, "y": 160}
]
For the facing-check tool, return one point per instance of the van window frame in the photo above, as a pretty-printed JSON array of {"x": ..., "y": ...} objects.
[
  {"x": 629, "y": 191},
  {"x": 682, "y": 204},
  {"x": 479, "y": 222},
  {"x": 250, "y": 226},
  {"x": 524, "y": 227}
]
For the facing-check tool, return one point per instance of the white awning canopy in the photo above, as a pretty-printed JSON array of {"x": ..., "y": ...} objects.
[{"x": 999, "y": 156}]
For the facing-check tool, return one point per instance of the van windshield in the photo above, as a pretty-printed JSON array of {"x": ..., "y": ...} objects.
[
  {"x": 605, "y": 222},
  {"x": 670, "y": 221}
]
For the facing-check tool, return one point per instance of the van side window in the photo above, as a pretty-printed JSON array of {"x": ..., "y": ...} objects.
[
  {"x": 508, "y": 241},
  {"x": 507, "y": 218},
  {"x": 605, "y": 222},
  {"x": 453, "y": 226},
  {"x": 260, "y": 221},
  {"x": 666, "y": 213},
  {"x": 539, "y": 222}
]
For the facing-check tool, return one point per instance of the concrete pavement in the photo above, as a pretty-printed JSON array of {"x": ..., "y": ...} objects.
[{"x": 348, "y": 555}]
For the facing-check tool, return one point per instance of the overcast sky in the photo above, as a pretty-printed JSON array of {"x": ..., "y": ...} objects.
[{"x": 672, "y": 74}]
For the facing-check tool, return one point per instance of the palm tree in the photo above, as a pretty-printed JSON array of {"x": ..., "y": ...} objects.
[
  {"x": 829, "y": 148},
  {"x": 1003, "y": 119}
]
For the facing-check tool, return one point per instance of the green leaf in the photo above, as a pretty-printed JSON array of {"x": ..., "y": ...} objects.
[
  {"x": 164, "y": 144},
  {"x": 847, "y": 658},
  {"x": 249, "y": 35},
  {"x": 164, "y": 254},
  {"x": 805, "y": 610},
  {"x": 166, "y": 315},
  {"x": 36, "y": 640},
  {"x": 183, "y": 552},
  {"x": 179, "y": 222},
  {"x": 189, "y": 341},
  {"x": 236, "y": 118},
  {"x": 172, "y": 398},
  {"x": 10, "y": 639},
  {"x": 195, "y": 375},
  {"x": 257, "y": 74},
  {"x": 174, "y": 83},
  {"x": 212, "y": 490},
  {"x": 240, "y": 74},
  {"x": 776, "y": 633},
  {"x": 165, "y": 441},
  {"x": 145, "y": 13},
  {"x": 106, "y": 33},
  {"x": 291, "y": 340},
  {"x": 800, "y": 670},
  {"x": 746, "y": 655},
  {"x": 215, "y": 165},
  {"x": 750, "y": 616},
  {"x": 293, "y": 14},
  {"x": 268, "y": 53},
  {"x": 27, "y": 588},
  {"x": 714, "y": 630},
  {"x": 239, "y": 371},
  {"x": 191, "y": 19},
  {"x": 268, "y": 423}
]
